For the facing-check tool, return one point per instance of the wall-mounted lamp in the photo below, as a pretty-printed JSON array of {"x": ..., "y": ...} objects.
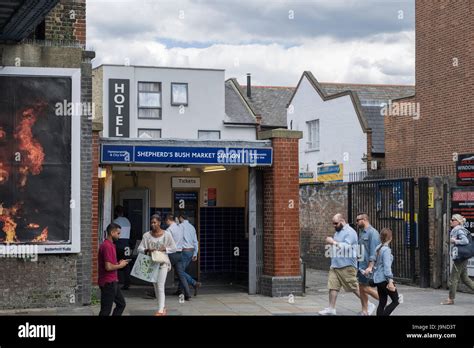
[{"x": 102, "y": 173}]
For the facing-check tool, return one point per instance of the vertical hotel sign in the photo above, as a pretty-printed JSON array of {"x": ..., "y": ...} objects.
[{"x": 119, "y": 108}]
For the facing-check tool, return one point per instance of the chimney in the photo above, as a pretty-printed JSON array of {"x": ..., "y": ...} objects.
[{"x": 249, "y": 86}]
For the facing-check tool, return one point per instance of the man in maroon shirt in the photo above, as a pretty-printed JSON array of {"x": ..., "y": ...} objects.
[{"x": 108, "y": 278}]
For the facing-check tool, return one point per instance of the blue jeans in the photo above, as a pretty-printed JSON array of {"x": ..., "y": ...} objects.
[
  {"x": 177, "y": 263},
  {"x": 187, "y": 257}
]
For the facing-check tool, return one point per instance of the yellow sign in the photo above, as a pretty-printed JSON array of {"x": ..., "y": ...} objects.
[
  {"x": 331, "y": 173},
  {"x": 430, "y": 197}
]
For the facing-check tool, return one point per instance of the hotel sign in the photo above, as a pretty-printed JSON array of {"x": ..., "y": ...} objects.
[{"x": 119, "y": 108}]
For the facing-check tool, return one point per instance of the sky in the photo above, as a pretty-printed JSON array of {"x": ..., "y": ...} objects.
[{"x": 351, "y": 41}]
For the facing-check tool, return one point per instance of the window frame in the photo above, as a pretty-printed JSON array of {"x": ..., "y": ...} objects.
[
  {"x": 309, "y": 148},
  {"x": 187, "y": 93},
  {"x": 209, "y": 130},
  {"x": 148, "y": 107},
  {"x": 149, "y": 129}
]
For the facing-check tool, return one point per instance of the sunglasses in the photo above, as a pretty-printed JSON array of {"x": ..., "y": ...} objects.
[{"x": 336, "y": 223}]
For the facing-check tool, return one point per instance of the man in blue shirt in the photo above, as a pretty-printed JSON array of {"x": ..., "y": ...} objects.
[
  {"x": 190, "y": 249},
  {"x": 343, "y": 250},
  {"x": 369, "y": 239}
]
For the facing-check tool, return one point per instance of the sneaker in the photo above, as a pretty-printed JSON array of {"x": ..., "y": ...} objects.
[
  {"x": 400, "y": 298},
  {"x": 371, "y": 308},
  {"x": 328, "y": 311},
  {"x": 196, "y": 287}
]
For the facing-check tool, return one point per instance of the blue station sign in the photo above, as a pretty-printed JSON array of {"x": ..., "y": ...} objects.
[{"x": 186, "y": 155}]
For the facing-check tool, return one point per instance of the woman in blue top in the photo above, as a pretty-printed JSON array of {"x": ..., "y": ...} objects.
[{"x": 383, "y": 276}]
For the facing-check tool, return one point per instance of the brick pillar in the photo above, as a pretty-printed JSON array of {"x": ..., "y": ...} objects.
[
  {"x": 281, "y": 233},
  {"x": 95, "y": 204}
]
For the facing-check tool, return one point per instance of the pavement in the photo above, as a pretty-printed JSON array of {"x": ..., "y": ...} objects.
[{"x": 233, "y": 301}]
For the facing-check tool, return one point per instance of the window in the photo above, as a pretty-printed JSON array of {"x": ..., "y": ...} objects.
[
  {"x": 149, "y": 133},
  {"x": 313, "y": 135},
  {"x": 209, "y": 135},
  {"x": 149, "y": 100},
  {"x": 179, "y": 94}
]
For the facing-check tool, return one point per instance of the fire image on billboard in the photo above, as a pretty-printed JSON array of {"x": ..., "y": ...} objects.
[{"x": 35, "y": 160}]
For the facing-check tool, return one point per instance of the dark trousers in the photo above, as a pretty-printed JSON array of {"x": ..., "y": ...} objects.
[
  {"x": 384, "y": 293},
  {"x": 122, "y": 245},
  {"x": 177, "y": 263},
  {"x": 110, "y": 293}
]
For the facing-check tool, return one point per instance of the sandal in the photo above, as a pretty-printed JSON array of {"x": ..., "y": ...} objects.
[
  {"x": 160, "y": 314},
  {"x": 447, "y": 302}
]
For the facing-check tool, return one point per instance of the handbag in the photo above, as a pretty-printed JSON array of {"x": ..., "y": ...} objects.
[
  {"x": 464, "y": 252},
  {"x": 145, "y": 269},
  {"x": 370, "y": 277},
  {"x": 159, "y": 257}
]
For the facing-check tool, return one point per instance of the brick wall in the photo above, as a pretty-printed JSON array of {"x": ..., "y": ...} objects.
[
  {"x": 444, "y": 89},
  {"x": 95, "y": 205},
  {"x": 318, "y": 204},
  {"x": 67, "y": 22},
  {"x": 55, "y": 278},
  {"x": 281, "y": 211}
]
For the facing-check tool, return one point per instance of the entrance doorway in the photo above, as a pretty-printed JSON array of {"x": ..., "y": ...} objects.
[
  {"x": 136, "y": 209},
  {"x": 187, "y": 203}
]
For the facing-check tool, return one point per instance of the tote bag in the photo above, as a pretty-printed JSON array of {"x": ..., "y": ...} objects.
[{"x": 145, "y": 269}]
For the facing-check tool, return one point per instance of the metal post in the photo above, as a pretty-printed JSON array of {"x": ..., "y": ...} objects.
[{"x": 424, "y": 232}]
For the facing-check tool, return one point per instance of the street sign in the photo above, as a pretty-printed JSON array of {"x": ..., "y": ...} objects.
[
  {"x": 186, "y": 155},
  {"x": 465, "y": 170}
]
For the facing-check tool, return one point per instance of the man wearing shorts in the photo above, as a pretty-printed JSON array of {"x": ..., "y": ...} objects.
[{"x": 343, "y": 271}]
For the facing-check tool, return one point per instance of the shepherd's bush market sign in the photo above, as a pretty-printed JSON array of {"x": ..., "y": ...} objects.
[{"x": 186, "y": 155}]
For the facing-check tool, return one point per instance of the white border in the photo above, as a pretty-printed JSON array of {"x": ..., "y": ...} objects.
[{"x": 75, "y": 213}]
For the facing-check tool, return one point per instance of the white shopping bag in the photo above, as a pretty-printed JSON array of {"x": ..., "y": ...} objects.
[{"x": 145, "y": 269}]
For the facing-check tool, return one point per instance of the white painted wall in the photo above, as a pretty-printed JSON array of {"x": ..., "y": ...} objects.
[
  {"x": 341, "y": 133},
  {"x": 206, "y": 102}
]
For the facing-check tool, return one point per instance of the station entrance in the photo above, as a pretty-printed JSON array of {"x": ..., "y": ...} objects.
[{"x": 215, "y": 200}]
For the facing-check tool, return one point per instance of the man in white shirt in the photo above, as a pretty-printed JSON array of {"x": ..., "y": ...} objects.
[
  {"x": 176, "y": 258},
  {"x": 123, "y": 244},
  {"x": 190, "y": 249}
]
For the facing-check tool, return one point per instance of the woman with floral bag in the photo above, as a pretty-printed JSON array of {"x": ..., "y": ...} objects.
[{"x": 157, "y": 243}]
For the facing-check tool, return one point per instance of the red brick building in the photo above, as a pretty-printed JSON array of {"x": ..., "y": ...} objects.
[{"x": 444, "y": 90}]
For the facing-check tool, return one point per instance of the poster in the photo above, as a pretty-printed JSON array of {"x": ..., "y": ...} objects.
[
  {"x": 462, "y": 202},
  {"x": 465, "y": 170},
  {"x": 36, "y": 198},
  {"x": 211, "y": 197}
]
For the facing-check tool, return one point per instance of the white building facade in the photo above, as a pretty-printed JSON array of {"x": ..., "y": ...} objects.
[
  {"x": 157, "y": 102},
  {"x": 334, "y": 132}
]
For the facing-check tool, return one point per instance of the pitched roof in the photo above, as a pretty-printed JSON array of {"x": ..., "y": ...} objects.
[
  {"x": 371, "y": 96},
  {"x": 237, "y": 108},
  {"x": 271, "y": 103},
  {"x": 326, "y": 96}
]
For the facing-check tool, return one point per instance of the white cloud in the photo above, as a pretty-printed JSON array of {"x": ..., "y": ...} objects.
[{"x": 387, "y": 58}]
